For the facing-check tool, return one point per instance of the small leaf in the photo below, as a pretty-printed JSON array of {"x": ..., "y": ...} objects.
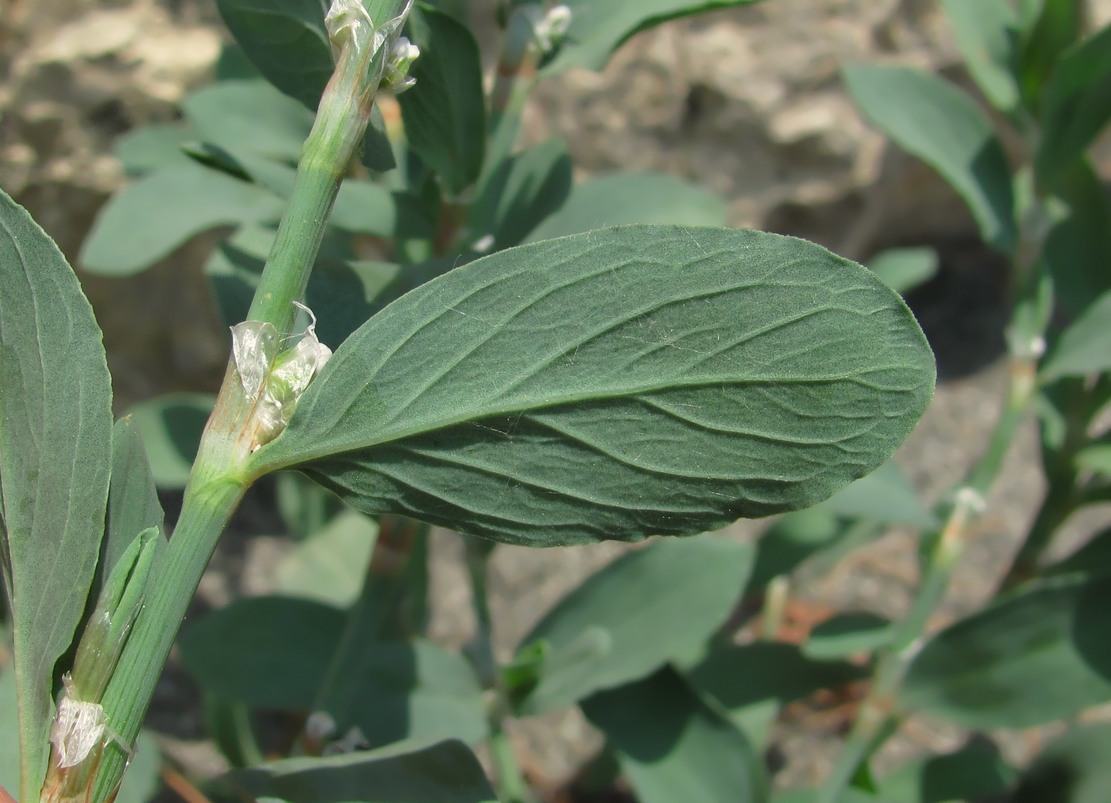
[
  {"x": 444, "y": 114},
  {"x": 1085, "y": 346},
  {"x": 55, "y": 460},
  {"x": 1078, "y": 248},
  {"x": 1038, "y": 655},
  {"x": 885, "y": 496},
  {"x": 1093, "y": 558},
  {"x": 524, "y": 190},
  {"x": 672, "y": 746},
  {"x": 171, "y": 428},
  {"x": 142, "y": 778},
  {"x": 330, "y": 565},
  {"x": 274, "y": 652},
  {"x": 252, "y": 116},
  {"x": 268, "y": 652},
  {"x": 286, "y": 41},
  {"x": 1049, "y": 28},
  {"x": 632, "y": 198},
  {"x": 933, "y": 120},
  {"x": 1096, "y": 459},
  {"x": 622, "y": 383},
  {"x": 904, "y": 269},
  {"x": 1076, "y": 106},
  {"x": 744, "y": 678},
  {"x": 147, "y": 220},
  {"x": 987, "y": 35},
  {"x": 793, "y": 539},
  {"x": 974, "y": 772},
  {"x": 447, "y": 772},
  {"x": 598, "y": 27},
  {"x": 143, "y": 150},
  {"x": 133, "y": 504},
  {"x": 642, "y": 610},
  {"x": 1072, "y": 769},
  {"x": 846, "y": 635}
]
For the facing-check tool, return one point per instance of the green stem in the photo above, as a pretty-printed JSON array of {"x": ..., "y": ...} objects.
[
  {"x": 508, "y": 780},
  {"x": 219, "y": 479}
]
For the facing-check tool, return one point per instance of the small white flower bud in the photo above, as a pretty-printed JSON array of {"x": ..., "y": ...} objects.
[{"x": 402, "y": 55}]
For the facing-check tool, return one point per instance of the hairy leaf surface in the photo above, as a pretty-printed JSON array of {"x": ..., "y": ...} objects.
[{"x": 616, "y": 384}]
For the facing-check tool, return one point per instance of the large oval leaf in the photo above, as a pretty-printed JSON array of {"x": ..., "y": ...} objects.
[
  {"x": 616, "y": 384},
  {"x": 55, "y": 457}
]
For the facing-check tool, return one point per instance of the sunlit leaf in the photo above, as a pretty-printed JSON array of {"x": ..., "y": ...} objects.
[{"x": 617, "y": 384}]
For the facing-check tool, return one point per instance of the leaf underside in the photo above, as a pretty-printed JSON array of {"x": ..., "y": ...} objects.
[{"x": 615, "y": 384}]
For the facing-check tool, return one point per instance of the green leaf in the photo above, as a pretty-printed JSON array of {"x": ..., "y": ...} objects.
[
  {"x": 521, "y": 192},
  {"x": 1076, "y": 106},
  {"x": 885, "y": 496},
  {"x": 752, "y": 678},
  {"x": 143, "y": 150},
  {"x": 598, "y": 27},
  {"x": 55, "y": 459},
  {"x": 9, "y": 731},
  {"x": 286, "y": 41},
  {"x": 274, "y": 652},
  {"x": 147, "y": 220},
  {"x": 632, "y": 198},
  {"x": 904, "y": 269},
  {"x": 987, "y": 35},
  {"x": 250, "y": 115},
  {"x": 1072, "y": 769},
  {"x": 445, "y": 112},
  {"x": 933, "y": 120},
  {"x": 1049, "y": 28},
  {"x": 1078, "y": 247},
  {"x": 171, "y": 428},
  {"x": 345, "y": 292},
  {"x": 794, "y": 538},
  {"x": 142, "y": 778},
  {"x": 846, "y": 635},
  {"x": 617, "y": 384},
  {"x": 1038, "y": 655},
  {"x": 645, "y": 608},
  {"x": 1085, "y": 346},
  {"x": 267, "y": 652},
  {"x": 133, "y": 504},
  {"x": 1096, "y": 459},
  {"x": 1093, "y": 558},
  {"x": 329, "y": 566},
  {"x": 974, "y": 772},
  {"x": 447, "y": 772},
  {"x": 674, "y": 747}
]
